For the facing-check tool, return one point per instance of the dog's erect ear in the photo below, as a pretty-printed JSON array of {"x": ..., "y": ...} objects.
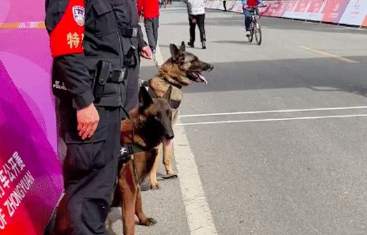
[
  {"x": 144, "y": 98},
  {"x": 175, "y": 52},
  {"x": 182, "y": 47},
  {"x": 167, "y": 94}
]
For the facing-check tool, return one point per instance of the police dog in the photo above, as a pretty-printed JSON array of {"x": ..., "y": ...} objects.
[
  {"x": 180, "y": 70},
  {"x": 148, "y": 125}
]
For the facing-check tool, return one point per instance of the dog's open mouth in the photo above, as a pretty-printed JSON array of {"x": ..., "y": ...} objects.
[
  {"x": 197, "y": 76},
  {"x": 166, "y": 141}
]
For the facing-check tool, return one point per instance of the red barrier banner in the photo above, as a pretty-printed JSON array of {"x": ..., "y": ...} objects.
[
  {"x": 364, "y": 24},
  {"x": 300, "y": 11},
  {"x": 267, "y": 11},
  {"x": 282, "y": 6},
  {"x": 290, "y": 9},
  {"x": 334, "y": 10},
  {"x": 316, "y": 6}
]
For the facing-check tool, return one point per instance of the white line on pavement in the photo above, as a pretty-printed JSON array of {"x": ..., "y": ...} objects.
[
  {"x": 197, "y": 209},
  {"x": 271, "y": 120},
  {"x": 198, "y": 213},
  {"x": 273, "y": 111}
]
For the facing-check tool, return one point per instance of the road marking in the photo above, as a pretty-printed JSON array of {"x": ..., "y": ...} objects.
[
  {"x": 327, "y": 54},
  {"x": 198, "y": 213},
  {"x": 197, "y": 209},
  {"x": 271, "y": 120},
  {"x": 272, "y": 111}
]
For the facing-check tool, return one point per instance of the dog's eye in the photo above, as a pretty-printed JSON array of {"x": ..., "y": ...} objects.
[{"x": 157, "y": 119}]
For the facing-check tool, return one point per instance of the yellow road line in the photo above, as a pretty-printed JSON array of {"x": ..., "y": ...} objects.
[
  {"x": 327, "y": 54},
  {"x": 23, "y": 25}
]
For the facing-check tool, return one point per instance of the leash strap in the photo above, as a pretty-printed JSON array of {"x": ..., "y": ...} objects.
[{"x": 156, "y": 63}]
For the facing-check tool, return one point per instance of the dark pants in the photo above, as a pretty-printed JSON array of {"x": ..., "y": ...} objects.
[
  {"x": 225, "y": 5},
  {"x": 151, "y": 28},
  {"x": 248, "y": 18},
  {"x": 132, "y": 77},
  {"x": 200, "y": 21},
  {"x": 89, "y": 171}
]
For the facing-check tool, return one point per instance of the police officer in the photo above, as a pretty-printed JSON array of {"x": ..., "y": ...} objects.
[{"x": 93, "y": 44}]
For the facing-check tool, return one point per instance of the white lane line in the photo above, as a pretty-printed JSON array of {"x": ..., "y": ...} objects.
[
  {"x": 197, "y": 209},
  {"x": 273, "y": 111},
  {"x": 272, "y": 120},
  {"x": 198, "y": 213}
]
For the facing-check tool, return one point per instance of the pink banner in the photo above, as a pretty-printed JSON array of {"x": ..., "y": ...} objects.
[
  {"x": 30, "y": 171},
  {"x": 282, "y": 6},
  {"x": 315, "y": 6},
  {"x": 334, "y": 10}
]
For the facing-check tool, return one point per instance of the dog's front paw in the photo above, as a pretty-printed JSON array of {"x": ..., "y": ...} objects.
[
  {"x": 149, "y": 222},
  {"x": 155, "y": 186},
  {"x": 170, "y": 175}
]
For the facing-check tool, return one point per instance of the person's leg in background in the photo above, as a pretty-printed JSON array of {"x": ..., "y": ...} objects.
[
  {"x": 201, "y": 24},
  {"x": 225, "y": 5},
  {"x": 155, "y": 32},
  {"x": 248, "y": 20},
  {"x": 149, "y": 29},
  {"x": 192, "y": 21}
]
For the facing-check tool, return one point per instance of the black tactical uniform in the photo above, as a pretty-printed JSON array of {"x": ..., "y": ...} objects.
[{"x": 93, "y": 43}]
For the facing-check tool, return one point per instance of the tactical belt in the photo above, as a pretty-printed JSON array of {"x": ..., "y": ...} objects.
[{"x": 129, "y": 32}]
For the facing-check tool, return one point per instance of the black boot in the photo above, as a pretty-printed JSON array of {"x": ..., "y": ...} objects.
[
  {"x": 191, "y": 44},
  {"x": 203, "y": 43}
]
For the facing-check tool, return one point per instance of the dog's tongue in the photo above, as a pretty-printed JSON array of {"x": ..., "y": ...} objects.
[
  {"x": 203, "y": 78},
  {"x": 166, "y": 142}
]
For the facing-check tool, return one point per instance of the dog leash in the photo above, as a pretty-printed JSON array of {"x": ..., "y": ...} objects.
[
  {"x": 132, "y": 154},
  {"x": 156, "y": 62}
]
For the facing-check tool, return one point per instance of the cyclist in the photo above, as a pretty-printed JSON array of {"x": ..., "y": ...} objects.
[{"x": 248, "y": 6}]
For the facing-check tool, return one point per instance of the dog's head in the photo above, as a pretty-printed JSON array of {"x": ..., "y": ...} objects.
[
  {"x": 185, "y": 67},
  {"x": 155, "y": 116}
]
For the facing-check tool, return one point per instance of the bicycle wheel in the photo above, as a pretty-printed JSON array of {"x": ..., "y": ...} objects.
[
  {"x": 251, "y": 37},
  {"x": 258, "y": 33}
]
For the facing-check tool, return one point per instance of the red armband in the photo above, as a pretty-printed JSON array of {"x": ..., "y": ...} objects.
[{"x": 67, "y": 37}]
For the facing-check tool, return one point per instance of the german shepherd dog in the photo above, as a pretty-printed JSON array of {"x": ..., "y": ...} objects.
[
  {"x": 180, "y": 70},
  {"x": 148, "y": 126}
]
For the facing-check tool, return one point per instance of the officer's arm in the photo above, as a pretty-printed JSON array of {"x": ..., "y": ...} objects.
[
  {"x": 65, "y": 24},
  {"x": 189, "y": 7},
  {"x": 142, "y": 43}
]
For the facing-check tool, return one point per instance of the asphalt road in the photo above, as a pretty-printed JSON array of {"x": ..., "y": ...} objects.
[{"x": 276, "y": 142}]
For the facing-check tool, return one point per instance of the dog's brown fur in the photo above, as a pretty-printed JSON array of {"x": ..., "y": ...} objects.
[
  {"x": 149, "y": 124},
  {"x": 179, "y": 71}
]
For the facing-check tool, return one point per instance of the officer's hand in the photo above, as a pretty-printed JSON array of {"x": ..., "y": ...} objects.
[
  {"x": 146, "y": 52},
  {"x": 88, "y": 119}
]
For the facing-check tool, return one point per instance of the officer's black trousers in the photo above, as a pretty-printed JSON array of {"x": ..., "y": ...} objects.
[
  {"x": 89, "y": 170},
  {"x": 132, "y": 75}
]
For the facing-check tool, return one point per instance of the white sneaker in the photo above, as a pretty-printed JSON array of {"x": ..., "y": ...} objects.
[{"x": 248, "y": 33}]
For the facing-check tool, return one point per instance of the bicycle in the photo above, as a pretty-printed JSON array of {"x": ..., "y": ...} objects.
[{"x": 255, "y": 28}]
